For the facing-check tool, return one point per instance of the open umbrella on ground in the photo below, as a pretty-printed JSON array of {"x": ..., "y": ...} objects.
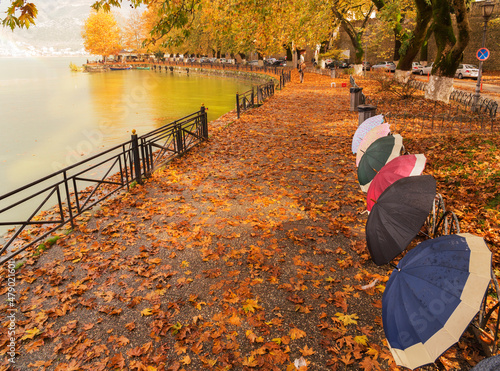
[
  {"x": 433, "y": 295},
  {"x": 364, "y": 128},
  {"x": 397, "y": 168},
  {"x": 376, "y": 156},
  {"x": 398, "y": 215},
  {"x": 378, "y": 131}
]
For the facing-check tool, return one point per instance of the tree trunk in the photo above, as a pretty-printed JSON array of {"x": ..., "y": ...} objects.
[
  {"x": 397, "y": 45},
  {"x": 353, "y": 34},
  {"x": 424, "y": 49},
  {"x": 412, "y": 47},
  {"x": 450, "y": 48},
  {"x": 439, "y": 88}
]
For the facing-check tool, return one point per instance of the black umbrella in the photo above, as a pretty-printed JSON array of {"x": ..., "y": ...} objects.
[{"x": 398, "y": 215}]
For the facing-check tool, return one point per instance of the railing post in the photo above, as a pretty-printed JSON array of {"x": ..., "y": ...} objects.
[
  {"x": 259, "y": 95},
  {"x": 238, "y": 104},
  {"x": 137, "y": 159},
  {"x": 253, "y": 101},
  {"x": 178, "y": 139},
  {"x": 203, "y": 111}
]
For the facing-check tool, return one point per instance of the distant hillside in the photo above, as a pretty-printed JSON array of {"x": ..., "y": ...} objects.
[{"x": 57, "y": 31}]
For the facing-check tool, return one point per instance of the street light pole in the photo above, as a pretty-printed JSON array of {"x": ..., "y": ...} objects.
[{"x": 487, "y": 10}]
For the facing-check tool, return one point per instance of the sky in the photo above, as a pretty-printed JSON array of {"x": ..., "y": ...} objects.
[{"x": 57, "y": 27}]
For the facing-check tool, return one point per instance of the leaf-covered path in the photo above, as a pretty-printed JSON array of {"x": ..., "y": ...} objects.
[{"x": 246, "y": 254}]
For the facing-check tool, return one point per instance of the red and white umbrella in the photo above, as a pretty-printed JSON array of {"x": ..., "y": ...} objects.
[
  {"x": 397, "y": 168},
  {"x": 378, "y": 131}
]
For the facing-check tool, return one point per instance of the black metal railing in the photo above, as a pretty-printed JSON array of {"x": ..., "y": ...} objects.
[
  {"x": 253, "y": 97},
  {"x": 166, "y": 65},
  {"x": 244, "y": 101},
  {"x": 484, "y": 105},
  {"x": 445, "y": 122},
  {"x": 78, "y": 188}
]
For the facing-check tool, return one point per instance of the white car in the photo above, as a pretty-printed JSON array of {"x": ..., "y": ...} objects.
[
  {"x": 416, "y": 67},
  {"x": 467, "y": 70},
  {"x": 426, "y": 70},
  {"x": 384, "y": 66}
]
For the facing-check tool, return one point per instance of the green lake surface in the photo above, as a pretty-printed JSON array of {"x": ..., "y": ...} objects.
[{"x": 51, "y": 117}]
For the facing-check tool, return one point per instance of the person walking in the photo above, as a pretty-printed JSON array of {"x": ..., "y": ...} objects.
[{"x": 302, "y": 68}]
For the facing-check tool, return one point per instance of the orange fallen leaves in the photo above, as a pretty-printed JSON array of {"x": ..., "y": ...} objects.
[{"x": 245, "y": 254}]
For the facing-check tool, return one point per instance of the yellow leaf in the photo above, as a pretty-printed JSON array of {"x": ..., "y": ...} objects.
[
  {"x": 186, "y": 360},
  {"x": 30, "y": 334},
  {"x": 277, "y": 341},
  {"x": 362, "y": 340},
  {"x": 296, "y": 333},
  {"x": 251, "y": 305},
  {"x": 147, "y": 312},
  {"x": 250, "y": 362},
  {"x": 347, "y": 319},
  {"x": 198, "y": 305}
]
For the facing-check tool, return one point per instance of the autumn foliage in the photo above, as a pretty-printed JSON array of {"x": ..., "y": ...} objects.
[
  {"x": 101, "y": 34},
  {"x": 248, "y": 253}
]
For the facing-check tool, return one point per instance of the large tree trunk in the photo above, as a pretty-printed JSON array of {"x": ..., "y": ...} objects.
[
  {"x": 397, "y": 46},
  {"x": 424, "y": 49},
  {"x": 424, "y": 16},
  {"x": 449, "y": 48}
]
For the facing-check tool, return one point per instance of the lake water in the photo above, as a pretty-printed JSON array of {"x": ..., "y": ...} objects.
[{"x": 51, "y": 117}]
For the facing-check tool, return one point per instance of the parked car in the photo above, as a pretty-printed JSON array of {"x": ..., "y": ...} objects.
[
  {"x": 212, "y": 60},
  {"x": 416, "y": 67},
  {"x": 204, "y": 60},
  {"x": 384, "y": 66},
  {"x": 279, "y": 63},
  {"x": 467, "y": 70},
  {"x": 253, "y": 63},
  {"x": 270, "y": 61},
  {"x": 426, "y": 70},
  {"x": 336, "y": 64}
]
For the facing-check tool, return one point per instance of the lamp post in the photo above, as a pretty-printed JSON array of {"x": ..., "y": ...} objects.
[{"x": 486, "y": 11}]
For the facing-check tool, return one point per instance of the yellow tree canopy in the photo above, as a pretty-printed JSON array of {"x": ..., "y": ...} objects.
[
  {"x": 101, "y": 34},
  {"x": 135, "y": 32}
]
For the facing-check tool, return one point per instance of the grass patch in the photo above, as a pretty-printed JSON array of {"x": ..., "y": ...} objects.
[{"x": 494, "y": 203}]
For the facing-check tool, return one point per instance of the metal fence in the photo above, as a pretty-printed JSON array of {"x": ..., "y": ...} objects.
[
  {"x": 256, "y": 96},
  {"x": 483, "y": 105},
  {"x": 168, "y": 65},
  {"x": 431, "y": 120},
  {"x": 30, "y": 210}
]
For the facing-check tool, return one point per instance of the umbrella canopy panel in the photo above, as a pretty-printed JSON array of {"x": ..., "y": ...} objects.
[
  {"x": 376, "y": 156},
  {"x": 379, "y": 131},
  {"x": 432, "y": 296},
  {"x": 364, "y": 128},
  {"x": 397, "y": 168},
  {"x": 398, "y": 215}
]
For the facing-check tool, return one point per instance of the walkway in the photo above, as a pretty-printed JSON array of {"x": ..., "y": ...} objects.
[{"x": 247, "y": 253}]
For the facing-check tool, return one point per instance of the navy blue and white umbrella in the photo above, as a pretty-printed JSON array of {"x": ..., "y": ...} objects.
[{"x": 433, "y": 295}]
